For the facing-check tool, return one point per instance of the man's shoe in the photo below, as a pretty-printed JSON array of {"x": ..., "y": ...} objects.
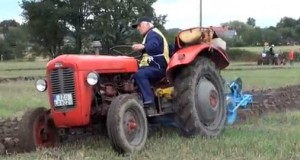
[{"x": 150, "y": 109}]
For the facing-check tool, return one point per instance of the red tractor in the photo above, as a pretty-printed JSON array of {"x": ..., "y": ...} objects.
[{"x": 89, "y": 91}]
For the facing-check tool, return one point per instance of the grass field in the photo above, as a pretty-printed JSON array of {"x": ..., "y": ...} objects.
[
  {"x": 15, "y": 97},
  {"x": 22, "y": 73},
  {"x": 273, "y": 137},
  {"x": 21, "y": 65},
  {"x": 264, "y": 79},
  {"x": 16, "y": 69}
]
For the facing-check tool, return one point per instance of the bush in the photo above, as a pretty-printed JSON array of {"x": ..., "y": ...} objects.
[{"x": 242, "y": 55}]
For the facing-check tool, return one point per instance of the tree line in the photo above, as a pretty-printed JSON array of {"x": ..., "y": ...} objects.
[
  {"x": 53, "y": 27},
  {"x": 286, "y": 32}
]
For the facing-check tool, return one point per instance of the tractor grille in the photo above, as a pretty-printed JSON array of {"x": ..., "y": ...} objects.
[{"x": 62, "y": 83}]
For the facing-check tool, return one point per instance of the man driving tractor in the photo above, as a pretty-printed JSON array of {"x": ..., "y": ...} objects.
[{"x": 155, "y": 60}]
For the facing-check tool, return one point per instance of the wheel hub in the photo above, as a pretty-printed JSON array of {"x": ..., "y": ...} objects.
[
  {"x": 131, "y": 125},
  {"x": 206, "y": 100},
  {"x": 213, "y": 99}
]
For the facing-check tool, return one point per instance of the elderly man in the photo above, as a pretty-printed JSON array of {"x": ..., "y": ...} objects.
[{"x": 153, "y": 65}]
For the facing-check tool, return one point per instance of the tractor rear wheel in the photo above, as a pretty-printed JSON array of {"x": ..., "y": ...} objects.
[
  {"x": 37, "y": 130},
  {"x": 127, "y": 124},
  {"x": 199, "y": 99}
]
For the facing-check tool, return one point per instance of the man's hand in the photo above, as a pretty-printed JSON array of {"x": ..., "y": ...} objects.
[{"x": 138, "y": 47}]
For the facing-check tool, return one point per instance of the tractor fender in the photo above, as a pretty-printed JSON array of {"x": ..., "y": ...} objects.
[{"x": 187, "y": 55}]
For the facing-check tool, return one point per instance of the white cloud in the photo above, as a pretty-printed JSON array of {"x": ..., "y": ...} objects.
[{"x": 185, "y": 13}]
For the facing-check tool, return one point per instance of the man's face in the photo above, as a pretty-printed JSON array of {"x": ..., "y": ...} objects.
[{"x": 143, "y": 27}]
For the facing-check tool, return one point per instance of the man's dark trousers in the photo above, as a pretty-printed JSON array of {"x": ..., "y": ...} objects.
[{"x": 144, "y": 78}]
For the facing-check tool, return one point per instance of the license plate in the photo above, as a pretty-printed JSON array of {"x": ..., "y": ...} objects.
[{"x": 63, "y": 99}]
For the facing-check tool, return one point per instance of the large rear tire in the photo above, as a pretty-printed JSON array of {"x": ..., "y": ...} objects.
[
  {"x": 127, "y": 124},
  {"x": 199, "y": 99},
  {"x": 37, "y": 130}
]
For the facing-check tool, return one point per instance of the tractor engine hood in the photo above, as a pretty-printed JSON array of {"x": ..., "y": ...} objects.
[{"x": 99, "y": 63}]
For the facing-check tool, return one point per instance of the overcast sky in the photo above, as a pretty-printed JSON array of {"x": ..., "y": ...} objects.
[{"x": 185, "y": 13}]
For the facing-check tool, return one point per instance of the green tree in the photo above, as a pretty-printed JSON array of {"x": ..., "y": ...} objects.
[
  {"x": 9, "y": 23},
  {"x": 77, "y": 15},
  {"x": 287, "y": 22},
  {"x": 286, "y": 34},
  {"x": 271, "y": 36},
  {"x": 252, "y": 36},
  {"x": 297, "y": 32},
  {"x": 14, "y": 39},
  {"x": 113, "y": 19},
  {"x": 251, "y": 21},
  {"x": 4, "y": 49},
  {"x": 17, "y": 39},
  {"x": 45, "y": 23},
  {"x": 50, "y": 21},
  {"x": 6, "y": 25}
]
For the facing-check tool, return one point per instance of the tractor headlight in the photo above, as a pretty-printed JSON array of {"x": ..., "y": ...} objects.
[
  {"x": 41, "y": 85},
  {"x": 92, "y": 78}
]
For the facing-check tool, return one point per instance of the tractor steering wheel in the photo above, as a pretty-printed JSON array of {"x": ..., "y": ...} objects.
[{"x": 124, "y": 50}]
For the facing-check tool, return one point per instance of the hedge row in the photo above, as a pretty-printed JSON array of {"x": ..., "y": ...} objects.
[{"x": 245, "y": 55}]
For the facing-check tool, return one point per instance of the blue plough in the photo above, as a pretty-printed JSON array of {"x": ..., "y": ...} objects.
[{"x": 235, "y": 99}]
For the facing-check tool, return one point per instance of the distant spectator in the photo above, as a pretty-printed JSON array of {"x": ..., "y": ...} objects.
[
  {"x": 291, "y": 57},
  {"x": 271, "y": 50}
]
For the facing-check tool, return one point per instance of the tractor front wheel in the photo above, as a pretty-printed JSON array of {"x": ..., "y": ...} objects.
[
  {"x": 199, "y": 99},
  {"x": 127, "y": 124},
  {"x": 37, "y": 130}
]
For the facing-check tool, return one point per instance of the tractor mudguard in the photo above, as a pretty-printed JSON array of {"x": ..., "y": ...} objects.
[{"x": 187, "y": 55}]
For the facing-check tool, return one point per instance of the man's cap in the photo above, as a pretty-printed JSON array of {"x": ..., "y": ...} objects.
[{"x": 141, "y": 19}]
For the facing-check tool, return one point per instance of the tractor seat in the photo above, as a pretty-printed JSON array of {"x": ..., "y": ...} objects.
[
  {"x": 190, "y": 36},
  {"x": 199, "y": 35},
  {"x": 196, "y": 35}
]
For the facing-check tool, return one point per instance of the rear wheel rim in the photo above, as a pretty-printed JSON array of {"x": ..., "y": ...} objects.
[{"x": 207, "y": 101}]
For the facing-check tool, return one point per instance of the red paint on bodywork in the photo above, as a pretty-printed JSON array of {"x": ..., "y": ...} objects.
[
  {"x": 82, "y": 65},
  {"x": 100, "y": 63},
  {"x": 187, "y": 55}
]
